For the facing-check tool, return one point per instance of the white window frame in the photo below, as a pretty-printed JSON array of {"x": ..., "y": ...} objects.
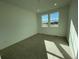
[{"x": 49, "y": 19}]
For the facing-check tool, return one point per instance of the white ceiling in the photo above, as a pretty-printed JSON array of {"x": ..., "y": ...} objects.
[{"x": 33, "y": 5}]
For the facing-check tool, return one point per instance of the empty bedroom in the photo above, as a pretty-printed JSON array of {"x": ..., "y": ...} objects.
[{"x": 38, "y": 29}]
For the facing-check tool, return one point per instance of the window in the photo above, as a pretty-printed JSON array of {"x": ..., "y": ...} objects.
[
  {"x": 44, "y": 20},
  {"x": 51, "y": 19},
  {"x": 54, "y": 19}
]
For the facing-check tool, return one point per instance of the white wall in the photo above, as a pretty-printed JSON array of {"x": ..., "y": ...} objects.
[
  {"x": 72, "y": 34},
  {"x": 61, "y": 29},
  {"x": 16, "y": 24}
]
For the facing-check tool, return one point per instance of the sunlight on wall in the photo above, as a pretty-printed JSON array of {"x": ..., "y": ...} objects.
[
  {"x": 73, "y": 38},
  {"x": 54, "y": 52}
]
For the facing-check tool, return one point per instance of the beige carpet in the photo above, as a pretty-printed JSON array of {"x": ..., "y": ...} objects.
[{"x": 39, "y": 46}]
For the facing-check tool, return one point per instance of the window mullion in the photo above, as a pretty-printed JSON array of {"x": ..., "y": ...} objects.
[{"x": 48, "y": 20}]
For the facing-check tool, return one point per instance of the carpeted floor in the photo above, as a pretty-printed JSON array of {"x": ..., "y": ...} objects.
[{"x": 39, "y": 46}]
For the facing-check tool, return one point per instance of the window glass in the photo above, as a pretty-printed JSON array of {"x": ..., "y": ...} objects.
[
  {"x": 54, "y": 19},
  {"x": 44, "y": 19}
]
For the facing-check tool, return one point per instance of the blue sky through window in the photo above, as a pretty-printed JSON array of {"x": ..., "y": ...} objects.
[
  {"x": 45, "y": 18},
  {"x": 54, "y": 17}
]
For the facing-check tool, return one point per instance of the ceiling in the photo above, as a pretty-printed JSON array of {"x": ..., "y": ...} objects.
[{"x": 37, "y": 5}]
